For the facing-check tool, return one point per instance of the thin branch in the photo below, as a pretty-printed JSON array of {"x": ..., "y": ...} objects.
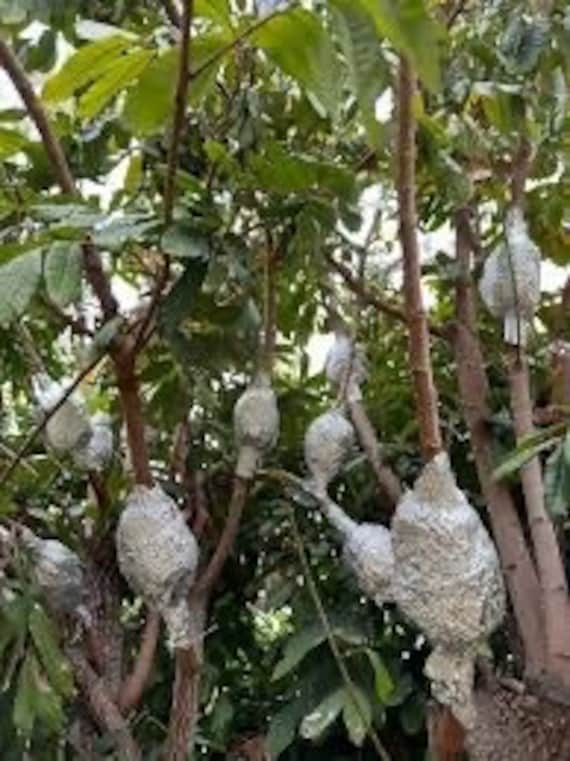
[
  {"x": 419, "y": 348},
  {"x": 54, "y": 151},
  {"x": 269, "y": 308},
  {"x": 520, "y": 169},
  {"x": 134, "y": 685},
  {"x": 206, "y": 582},
  {"x": 181, "y": 99},
  {"x": 516, "y": 561},
  {"x": 172, "y": 12},
  {"x": 98, "y": 279}
]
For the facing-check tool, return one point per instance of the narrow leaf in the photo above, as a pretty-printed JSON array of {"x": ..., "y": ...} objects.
[
  {"x": 357, "y": 716},
  {"x": 62, "y": 271},
  {"x": 19, "y": 279},
  {"x": 112, "y": 81},
  {"x": 315, "y": 723},
  {"x": 45, "y": 638}
]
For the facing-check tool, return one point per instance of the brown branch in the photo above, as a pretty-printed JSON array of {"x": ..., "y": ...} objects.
[
  {"x": 269, "y": 309},
  {"x": 98, "y": 279},
  {"x": 206, "y": 582},
  {"x": 172, "y": 12},
  {"x": 419, "y": 347},
  {"x": 102, "y": 707},
  {"x": 180, "y": 103},
  {"x": 134, "y": 685},
  {"x": 376, "y": 300},
  {"x": 516, "y": 561},
  {"x": 54, "y": 151},
  {"x": 520, "y": 169}
]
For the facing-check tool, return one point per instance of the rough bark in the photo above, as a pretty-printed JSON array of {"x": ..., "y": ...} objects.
[{"x": 520, "y": 575}]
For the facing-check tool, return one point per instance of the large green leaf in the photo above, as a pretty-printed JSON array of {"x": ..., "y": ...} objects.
[
  {"x": 11, "y": 142},
  {"x": 409, "y": 27},
  {"x": 24, "y": 712},
  {"x": 315, "y": 723},
  {"x": 62, "y": 272},
  {"x": 299, "y": 44},
  {"x": 19, "y": 279},
  {"x": 85, "y": 66},
  {"x": 45, "y": 637},
  {"x": 126, "y": 69},
  {"x": 367, "y": 68}
]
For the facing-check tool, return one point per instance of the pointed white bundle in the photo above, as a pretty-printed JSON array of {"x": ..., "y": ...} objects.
[
  {"x": 345, "y": 367},
  {"x": 510, "y": 286},
  {"x": 57, "y": 571},
  {"x": 328, "y": 441},
  {"x": 447, "y": 580},
  {"x": 256, "y": 425},
  {"x": 158, "y": 555},
  {"x": 69, "y": 427}
]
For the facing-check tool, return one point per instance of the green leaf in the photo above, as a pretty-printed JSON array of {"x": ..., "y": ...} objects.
[
  {"x": 367, "y": 69},
  {"x": 383, "y": 681},
  {"x": 215, "y": 10},
  {"x": 62, "y": 272},
  {"x": 126, "y": 69},
  {"x": 19, "y": 279},
  {"x": 297, "y": 648},
  {"x": 84, "y": 67},
  {"x": 313, "y": 64},
  {"x": 315, "y": 723},
  {"x": 11, "y": 142},
  {"x": 557, "y": 480},
  {"x": 409, "y": 27},
  {"x": 45, "y": 638},
  {"x": 181, "y": 242},
  {"x": 24, "y": 711},
  {"x": 130, "y": 227},
  {"x": 134, "y": 175},
  {"x": 530, "y": 447},
  {"x": 283, "y": 727},
  {"x": 412, "y": 715},
  {"x": 357, "y": 715}
]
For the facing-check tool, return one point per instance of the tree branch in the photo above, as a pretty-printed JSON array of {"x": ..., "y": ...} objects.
[
  {"x": 172, "y": 12},
  {"x": 419, "y": 348},
  {"x": 134, "y": 685},
  {"x": 516, "y": 561}
]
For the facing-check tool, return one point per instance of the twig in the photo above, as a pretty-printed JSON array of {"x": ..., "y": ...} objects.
[
  {"x": 419, "y": 348},
  {"x": 134, "y": 685},
  {"x": 98, "y": 279},
  {"x": 337, "y": 655},
  {"x": 171, "y": 10},
  {"x": 269, "y": 308}
]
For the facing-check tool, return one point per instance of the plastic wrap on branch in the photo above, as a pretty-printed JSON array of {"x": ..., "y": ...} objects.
[
  {"x": 97, "y": 451},
  {"x": 447, "y": 580},
  {"x": 367, "y": 551},
  {"x": 328, "y": 442},
  {"x": 69, "y": 427},
  {"x": 345, "y": 367},
  {"x": 510, "y": 286},
  {"x": 57, "y": 571},
  {"x": 158, "y": 556},
  {"x": 256, "y": 425}
]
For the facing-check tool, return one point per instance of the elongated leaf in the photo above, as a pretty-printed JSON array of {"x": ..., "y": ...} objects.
[
  {"x": 557, "y": 480},
  {"x": 179, "y": 241},
  {"x": 84, "y": 67},
  {"x": 367, "y": 69},
  {"x": 409, "y": 27},
  {"x": 383, "y": 681},
  {"x": 45, "y": 638},
  {"x": 313, "y": 725},
  {"x": 357, "y": 715},
  {"x": 529, "y": 448},
  {"x": 215, "y": 10},
  {"x": 11, "y": 142},
  {"x": 112, "y": 81},
  {"x": 19, "y": 279},
  {"x": 24, "y": 711},
  {"x": 297, "y": 648},
  {"x": 300, "y": 46},
  {"x": 62, "y": 271}
]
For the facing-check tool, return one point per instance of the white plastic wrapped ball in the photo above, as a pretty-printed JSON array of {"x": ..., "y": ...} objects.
[
  {"x": 345, "y": 367},
  {"x": 328, "y": 442},
  {"x": 69, "y": 427},
  {"x": 256, "y": 425}
]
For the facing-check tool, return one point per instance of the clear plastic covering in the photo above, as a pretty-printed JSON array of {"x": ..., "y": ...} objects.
[
  {"x": 345, "y": 367},
  {"x": 69, "y": 427},
  {"x": 510, "y": 286},
  {"x": 328, "y": 441},
  {"x": 158, "y": 555},
  {"x": 447, "y": 579},
  {"x": 256, "y": 425},
  {"x": 97, "y": 451}
]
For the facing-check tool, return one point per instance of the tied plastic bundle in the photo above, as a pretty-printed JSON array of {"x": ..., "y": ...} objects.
[
  {"x": 97, "y": 451},
  {"x": 256, "y": 425},
  {"x": 510, "y": 286},
  {"x": 345, "y": 367},
  {"x": 367, "y": 551},
  {"x": 328, "y": 441},
  {"x": 57, "y": 571},
  {"x": 447, "y": 580},
  {"x": 68, "y": 428},
  {"x": 158, "y": 556}
]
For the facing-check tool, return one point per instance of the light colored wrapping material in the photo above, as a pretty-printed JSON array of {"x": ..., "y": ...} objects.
[
  {"x": 447, "y": 580},
  {"x": 345, "y": 367},
  {"x": 256, "y": 425},
  {"x": 510, "y": 286},
  {"x": 328, "y": 442},
  {"x": 97, "y": 451},
  {"x": 158, "y": 555},
  {"x": 57, "y": 571},
  {"x": 69, "y": 427}
]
